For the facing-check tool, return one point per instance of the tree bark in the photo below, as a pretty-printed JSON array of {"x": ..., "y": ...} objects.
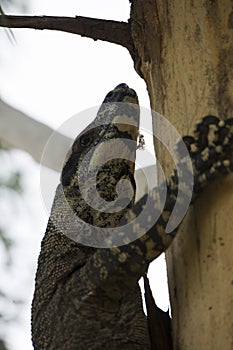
[
  {"x": 186, "y": 59},
  {"x": 97, "y": 29}
]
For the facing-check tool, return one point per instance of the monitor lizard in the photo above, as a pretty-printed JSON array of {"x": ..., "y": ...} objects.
[{"x": 87, "y": 297}]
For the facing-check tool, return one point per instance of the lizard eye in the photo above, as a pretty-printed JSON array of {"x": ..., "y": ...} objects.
[{"x": 85, "y": 140}]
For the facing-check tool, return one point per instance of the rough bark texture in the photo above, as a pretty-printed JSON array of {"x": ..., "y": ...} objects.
[{"x": 186, "y": 56}]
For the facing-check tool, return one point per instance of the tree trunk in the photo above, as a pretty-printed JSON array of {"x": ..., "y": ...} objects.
[{"x": 186, "y": 59}]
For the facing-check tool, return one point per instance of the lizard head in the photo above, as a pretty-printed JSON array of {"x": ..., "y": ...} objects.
[{"x": 102, "y": 156}]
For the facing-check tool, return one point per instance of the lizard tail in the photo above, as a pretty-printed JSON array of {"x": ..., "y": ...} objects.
[{"x": 159, "y": 322}]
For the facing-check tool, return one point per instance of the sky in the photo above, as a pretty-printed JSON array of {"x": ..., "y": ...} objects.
[{"x": 52, "y": 76}]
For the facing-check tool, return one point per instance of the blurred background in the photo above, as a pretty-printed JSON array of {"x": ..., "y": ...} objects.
[{"x": 49, "y": 76}]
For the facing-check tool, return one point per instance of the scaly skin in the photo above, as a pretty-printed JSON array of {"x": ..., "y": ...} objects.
[{"x": 88, "y": 297}]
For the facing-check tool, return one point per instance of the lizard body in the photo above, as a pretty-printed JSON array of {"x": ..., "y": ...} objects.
[{"x": 87, "y": 297}]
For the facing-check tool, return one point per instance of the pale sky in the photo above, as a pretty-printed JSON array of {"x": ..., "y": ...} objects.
[{"x": 51, "y": 76}]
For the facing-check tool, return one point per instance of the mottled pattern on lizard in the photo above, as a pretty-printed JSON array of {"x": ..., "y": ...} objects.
[{"x": 86, "y": 297}]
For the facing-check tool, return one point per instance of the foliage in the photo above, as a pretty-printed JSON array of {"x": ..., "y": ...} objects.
[
  {"x": 19, "y": 4},
  {"x": 2, "y": 344},
  {"x": 10, "y": 183}
]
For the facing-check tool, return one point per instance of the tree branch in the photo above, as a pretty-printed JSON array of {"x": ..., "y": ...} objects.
[
  {"x": 97, "y": 29},
  {"x": 18, "y": 130}
]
